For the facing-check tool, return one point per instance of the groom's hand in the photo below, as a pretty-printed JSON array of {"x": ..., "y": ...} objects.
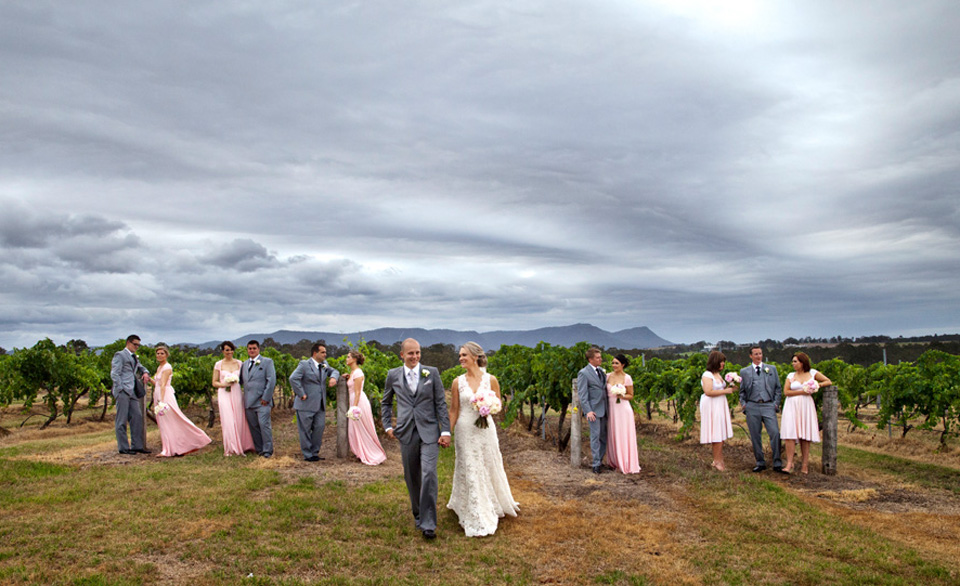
[
  {"x": 591, "y": 416},
  {"x": 390, "y": 433},
  {"x": 444, "y": 441}
]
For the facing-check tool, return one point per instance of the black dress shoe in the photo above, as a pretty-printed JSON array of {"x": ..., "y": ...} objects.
[
  {"x": 142, "y": 451},
  {"x": 429, "y": 534},
  {"x": 127, "y": 452},
  {"x": 266, "y": 455},
  {"x": 780, "y": 470},
  {"x": 313, "y": 459},
  {"x": 759, "y": 468},
  {"x": 597, "y": 469}
]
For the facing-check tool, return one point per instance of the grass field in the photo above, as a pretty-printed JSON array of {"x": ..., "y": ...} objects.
[{"x": 76, "y": 512}]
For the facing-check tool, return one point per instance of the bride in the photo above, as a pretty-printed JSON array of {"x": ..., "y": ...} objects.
[{"x": 480, "y": 493}]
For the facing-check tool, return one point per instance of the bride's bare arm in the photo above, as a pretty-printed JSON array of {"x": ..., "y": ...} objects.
[{"x": 454, "y": 403}]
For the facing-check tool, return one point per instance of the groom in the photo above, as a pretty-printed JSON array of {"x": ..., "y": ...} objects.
[
  {"x": 129, "y": 378},
  {"x": 592, "y": 391},
  {"x": 760, "y": 394},
  {"x": 423, "y": 425},
  {"x": 258, "y": 377}
]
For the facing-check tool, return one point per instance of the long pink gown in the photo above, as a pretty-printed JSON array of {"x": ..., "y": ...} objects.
[
  {"x": 799, "y": 419},
  {"x": 233, "y": 420},
  {"x": 363, "y": 434},
  {"x": 177, "y": 433},
  {"x": 621, "y": 432},
  {"x": 715, "y": 424}
]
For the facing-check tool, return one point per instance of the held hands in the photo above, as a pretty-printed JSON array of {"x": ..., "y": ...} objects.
[
  {"x": 390, "y": 433},
  {"x": 444, "y": 441}
]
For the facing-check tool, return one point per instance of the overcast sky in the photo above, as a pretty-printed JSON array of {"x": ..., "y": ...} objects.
[{"x": 735, "y": 170}]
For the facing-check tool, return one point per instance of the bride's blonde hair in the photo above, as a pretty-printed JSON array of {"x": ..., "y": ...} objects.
[{"x": 475, "y": 350}]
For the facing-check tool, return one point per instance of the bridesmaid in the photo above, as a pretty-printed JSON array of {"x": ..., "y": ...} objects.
[
  {"x": 621, "y": 426},
  {"x": 799, "y": 419},
  {"x": 177, "y": 433},
  {"x": 363, "y": 435},
  {"x": 233, "y": 420},
  {"x": 715, "y": 424}
]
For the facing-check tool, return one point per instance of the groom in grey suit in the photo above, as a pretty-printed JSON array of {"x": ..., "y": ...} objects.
[
  {"x": 258, "y": 377},
  {"x": 760, "y": 394},
  {"x": 423, "y": 425},
  {"x": 310, "y": 399},
  {"x": 129, "y": 378},
  {"x": 592, "y": 391}
]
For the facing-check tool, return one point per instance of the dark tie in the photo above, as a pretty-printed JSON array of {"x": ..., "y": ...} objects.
[
  {"x": 135, "y": 363},
  {"x": 600, "y": 374},
  {"x": 758, "y": 370}
]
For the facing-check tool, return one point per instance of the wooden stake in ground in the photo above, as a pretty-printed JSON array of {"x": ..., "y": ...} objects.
[
  {"x": 575, "y": 428},
  {"x": 828, "y": 463}
]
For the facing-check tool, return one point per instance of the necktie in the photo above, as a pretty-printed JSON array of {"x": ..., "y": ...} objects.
[
  {"x": 600, "y": 375},
  {"x": 412, "y": 380},
  {"x": 758, "y": 369}
]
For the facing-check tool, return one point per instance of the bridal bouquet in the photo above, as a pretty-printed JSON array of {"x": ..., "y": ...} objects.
[
  {"x": 231, "y": 378},
  {"x": 811, "y": 386},
  {"x": 160, "y": 408},
  {"x": 353, "y": 413},
  {"x": 486, "y": 403},
  {"x": 733, "y": 379},
  {"x": 619, "y": 390}
]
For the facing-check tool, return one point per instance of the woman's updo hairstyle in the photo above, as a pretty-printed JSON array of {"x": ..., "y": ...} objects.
[
  {"x": 357, "y": 356},
  {"x": 475, "y": 350}
]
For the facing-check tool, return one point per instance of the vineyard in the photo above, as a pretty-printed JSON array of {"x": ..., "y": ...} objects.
[{"x": 920, "y": 395}]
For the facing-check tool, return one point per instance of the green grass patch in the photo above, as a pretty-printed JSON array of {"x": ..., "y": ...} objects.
[{"x": 919, "y": 473}]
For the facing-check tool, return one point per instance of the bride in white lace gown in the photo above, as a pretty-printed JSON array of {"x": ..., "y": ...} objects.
[{"x": 481, "y": 493}]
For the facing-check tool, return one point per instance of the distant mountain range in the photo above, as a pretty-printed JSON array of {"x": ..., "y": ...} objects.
[{"x": 629, "y": 339}]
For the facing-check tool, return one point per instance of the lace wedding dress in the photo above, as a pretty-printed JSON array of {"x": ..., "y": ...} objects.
[{"x": 481, "y": 493}]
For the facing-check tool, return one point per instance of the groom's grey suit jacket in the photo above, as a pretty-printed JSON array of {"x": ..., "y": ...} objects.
[
  {"x": 764, "y": 387},
  {"x": 306, "y": 380},
  {"x": 592, "y": 392},
  {"x": 258, "y": 382},
  {"x": 424, "y": 411},
  {"x": 127, "y": 375}
]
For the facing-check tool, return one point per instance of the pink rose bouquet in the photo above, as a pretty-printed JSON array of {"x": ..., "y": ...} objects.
[
  {"x": 733, "y": 379},
  {"x": 353, "y": 413},
  {"x": 486, "y": 403},
  {"x": 160, "y": 408},
  {"x": 811, "y": 386}
]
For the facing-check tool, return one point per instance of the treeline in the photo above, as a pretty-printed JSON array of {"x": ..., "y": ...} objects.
[{"x": 923, "y": 393}]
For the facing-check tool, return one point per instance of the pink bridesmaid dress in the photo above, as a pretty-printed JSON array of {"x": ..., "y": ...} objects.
[
  {"x": 715, "y": 424},
  {"x": 177, "y": 433},
  {"x": 799, "y": 419},
  {"x": 363, "y": 435},
  {"x": 621, "y": 432},
  {"x": 233, "y": 419}
]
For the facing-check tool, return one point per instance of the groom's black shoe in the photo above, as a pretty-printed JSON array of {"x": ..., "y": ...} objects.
[
  {"x": 313, "y": 459},
  {"x": 141, "y": 451},
  {"x": 597, "y": 469},
  {"x": 759, "y": 468},
  {"x": 429, "y": 534},
  {"x": 780, "y": 470},
  {"x": 127, "y": 452}
]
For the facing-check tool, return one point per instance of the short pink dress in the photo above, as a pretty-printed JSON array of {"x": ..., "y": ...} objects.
[
  {"x": 233, "y": 418},
  {"x": 799, "y": 419},
  {"x": 621, "y": 432},
  {"x": 715, "y": 424},
  {"x": 364, "y": 442},
  {"x": 177, "y": 433}
]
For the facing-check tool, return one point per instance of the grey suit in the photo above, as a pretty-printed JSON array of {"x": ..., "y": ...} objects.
[
  {"x": 592, "y": 391},
  {"x": 421, "y": 417},
  {"x": 259, "y": 379},
  {"x": 127, "y": 372},
  {"x": 308, "y": 380},
  {"x": 760, "y": 396}
]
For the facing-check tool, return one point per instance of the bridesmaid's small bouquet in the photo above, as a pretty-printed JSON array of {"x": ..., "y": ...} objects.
[
  {"x": 811, "y": 386},
  {"x": 353, "y": 413},
  {"x": 231, "y": 378},
  {"x": 619, "y": 390},
  {"x": 160, "y": 408},
  {"x": 486, "y": 403},
  {"x": 733, "y": 379}
]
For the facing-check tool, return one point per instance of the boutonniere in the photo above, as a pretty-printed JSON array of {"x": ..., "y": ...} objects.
[
  {"x": 425, "y": 373},
  {"x": 256, "y": 362},
  {"x": 766, "y": 369}
]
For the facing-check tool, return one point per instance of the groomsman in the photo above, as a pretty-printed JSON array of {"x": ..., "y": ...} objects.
[
  {"x": 422, "y": 427},
  {"x": 592, "y": 391},
  {"x": 258, "y": 377},
  {"x": 760, "y": 394},
  {"x": 129, "y": 379},
  {"x": 310, "y": 399}
]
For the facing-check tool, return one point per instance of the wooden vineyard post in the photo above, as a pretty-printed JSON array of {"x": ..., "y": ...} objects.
[
  {"x": 343, "y": 403},
  {"x": 575, "y": 428},
  {"x": 830, "y": 414}
]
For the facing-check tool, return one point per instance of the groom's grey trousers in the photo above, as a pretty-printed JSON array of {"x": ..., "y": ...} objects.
[
  {"x": 598, "y": 439},
  {"x": 761, "y": 415},
  {"x": 420, "y": 473},
  {"x": 128, "y": 410}
]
